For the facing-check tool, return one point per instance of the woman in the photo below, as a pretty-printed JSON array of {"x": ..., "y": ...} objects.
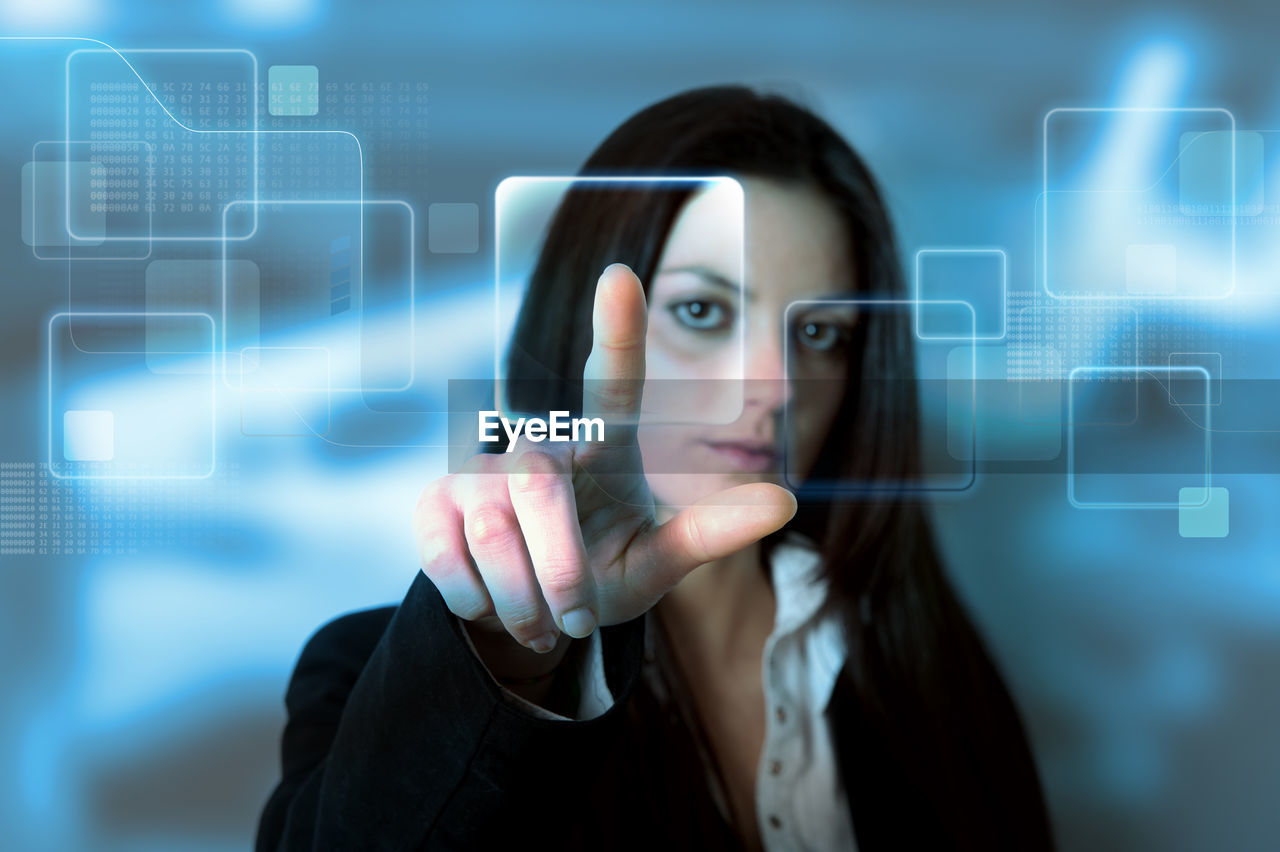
[{"x": 647, "y": 641}]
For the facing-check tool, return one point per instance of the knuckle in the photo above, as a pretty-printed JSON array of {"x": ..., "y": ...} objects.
[
  {"x": 620, "y": 342},
  {"x": 535, "y": 461},
  {"x": 437, "y": 554},
  {"x": 562, "y": 578},
  {"x": 535, "y": 473},
  {"x": 432, "y": 514},
  {"x": 524, "y": 620},
  {"x": 615, "y": 394},
  {"x": 429, "y": 498},
  {"x": 491, "y": 527}
]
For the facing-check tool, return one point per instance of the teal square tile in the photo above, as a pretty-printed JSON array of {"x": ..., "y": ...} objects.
[
  {"x": 88, "y": 435},
  {"x": 293, "y": 90},
  {"x": 453, "y": 228},
  {"x": 978, "y": 277},
  {"x": 1198, "y": 518}
]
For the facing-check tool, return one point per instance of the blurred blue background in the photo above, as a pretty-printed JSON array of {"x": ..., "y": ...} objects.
[{"x": 148, "y": 629}]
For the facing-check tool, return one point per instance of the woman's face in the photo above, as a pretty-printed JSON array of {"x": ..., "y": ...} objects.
[{"x": 729, "y": 356}]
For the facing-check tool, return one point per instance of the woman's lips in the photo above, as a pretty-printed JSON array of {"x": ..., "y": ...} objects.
[{"x": 751, "y": 457}]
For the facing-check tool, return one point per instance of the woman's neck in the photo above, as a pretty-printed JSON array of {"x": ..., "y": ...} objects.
[{"x": 724, "y": 607}]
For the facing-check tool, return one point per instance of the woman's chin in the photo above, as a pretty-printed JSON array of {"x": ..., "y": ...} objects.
[{"x": 685, "y": 489}]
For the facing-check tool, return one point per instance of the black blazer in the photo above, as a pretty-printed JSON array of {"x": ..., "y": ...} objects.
[{"x": 398, "y": 738}]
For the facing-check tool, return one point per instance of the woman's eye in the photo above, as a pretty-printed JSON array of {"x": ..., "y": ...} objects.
[
  {"x": 822, "y": 336},
  {"x": 702, "y": 314}
]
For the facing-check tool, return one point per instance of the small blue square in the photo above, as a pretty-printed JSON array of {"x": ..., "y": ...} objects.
[
  {"x": 1201, "y": 518},
  {"x": 88, "y": 435},
  {"x": 453, "y": 228},
  {"x": 977, "y": 277},
  {"x": 293, "y": 90}
]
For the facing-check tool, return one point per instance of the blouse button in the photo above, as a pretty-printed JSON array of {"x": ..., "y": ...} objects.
[
  {"x": 774, "y": 821},
  {"x": 775, "y": 767},
  {"x": 782, "y": 714}
]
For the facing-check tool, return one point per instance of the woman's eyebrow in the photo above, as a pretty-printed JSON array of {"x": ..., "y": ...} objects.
[{"x": 710, "y": 276}]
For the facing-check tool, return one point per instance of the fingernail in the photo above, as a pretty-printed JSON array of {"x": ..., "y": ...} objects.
[
  {"x": 544, "y": 643},
  {"x": 578, "y": 622}
]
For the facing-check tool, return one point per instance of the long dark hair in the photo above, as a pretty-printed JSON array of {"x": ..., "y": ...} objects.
[{"x": 951, "y": 749}]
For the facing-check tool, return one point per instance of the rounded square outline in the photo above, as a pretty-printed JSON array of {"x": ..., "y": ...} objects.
[
  {"x": 67, "y": 143},
  {"x": 413, "y": 260},
  {"x": 253, "y": 131},
  {"x": 861, "y": 489},
  {"x": 1071, "y": 436},
  {"x": 504, "y": 186},
  {"x": 1043, "y": 269},
  {"x": 213, "y": 405},
  {"x": 1004, "y": 292}
]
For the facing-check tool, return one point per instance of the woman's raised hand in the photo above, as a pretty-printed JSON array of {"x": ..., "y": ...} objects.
[{"x": 563, "y": 537}]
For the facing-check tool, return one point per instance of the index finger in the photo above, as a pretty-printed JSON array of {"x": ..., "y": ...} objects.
[{"x": 613, "y": 377}]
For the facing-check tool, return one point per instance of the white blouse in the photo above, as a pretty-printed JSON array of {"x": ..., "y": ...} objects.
[{"x": 800, "y": 801}]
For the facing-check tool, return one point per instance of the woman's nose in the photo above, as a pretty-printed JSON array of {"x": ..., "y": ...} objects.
[{"x": 765, "y": 379}]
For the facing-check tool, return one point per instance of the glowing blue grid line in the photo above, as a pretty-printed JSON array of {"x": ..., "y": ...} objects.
[
  {"x": 213, "y": 408},
  {"x": 895, "y": 488},
  {"x": 507, "y": 184},
  {"x": 1071, "y": 437},
  {"x": 1102, "y": 297},
  {"x": 1004, "y": 292},
  {"x": 412, "y": 285}
]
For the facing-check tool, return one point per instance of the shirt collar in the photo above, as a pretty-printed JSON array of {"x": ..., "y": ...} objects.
[
  {"x": 800, "y": 589},
  {"x": 798, "y": 585}
]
